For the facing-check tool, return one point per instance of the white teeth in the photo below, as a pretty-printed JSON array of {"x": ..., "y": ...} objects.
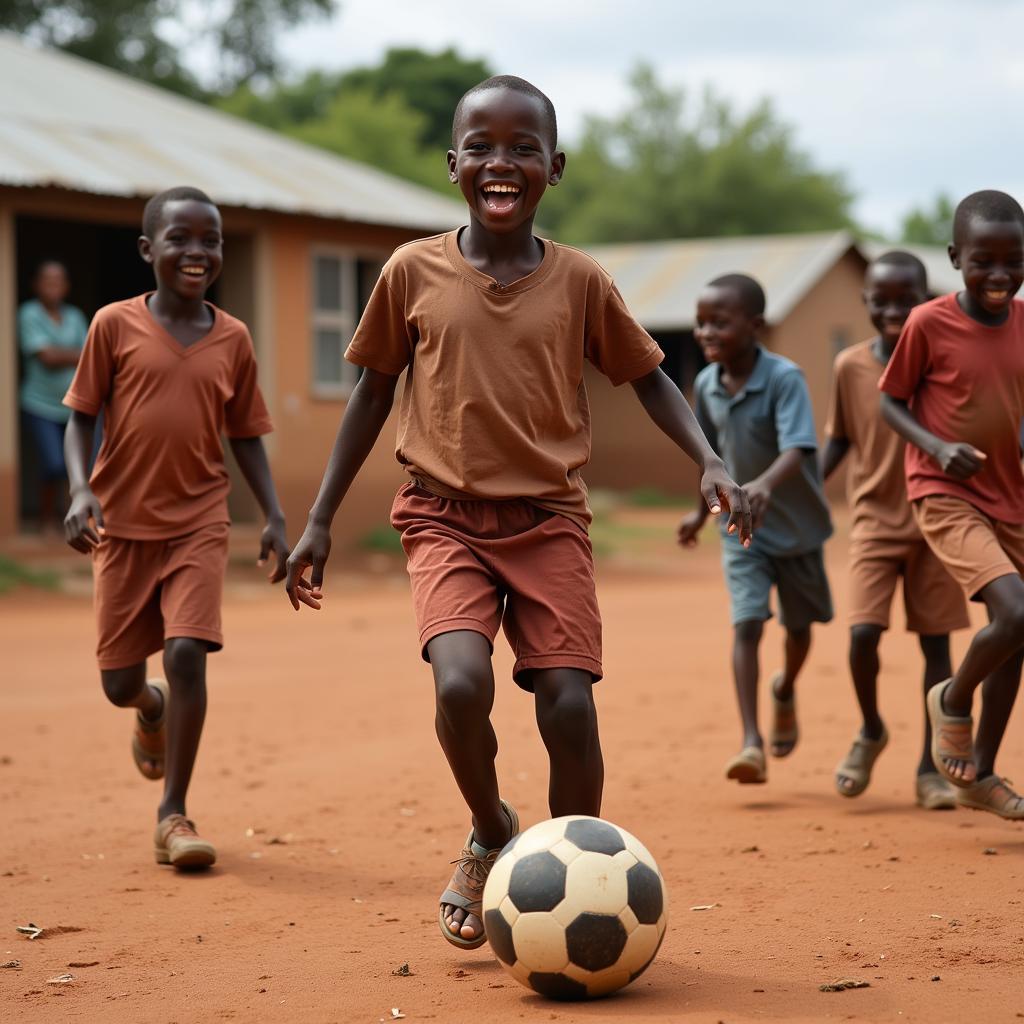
[
  {"x": 501, "y": 188},
  {"x": 194, "y": 271}
]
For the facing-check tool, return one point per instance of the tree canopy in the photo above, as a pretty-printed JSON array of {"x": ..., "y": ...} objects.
[
  {"x": 143, "y": 37},
  {"x": 930, "y": 225},
  {"x": 667, "y": 168}
]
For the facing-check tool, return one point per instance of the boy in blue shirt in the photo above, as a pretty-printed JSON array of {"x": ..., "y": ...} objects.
[{"x": 755, "y": 409}]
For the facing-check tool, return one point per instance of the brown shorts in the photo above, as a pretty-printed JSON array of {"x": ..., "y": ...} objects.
[
  {"x": 931, "y": 597},
  {"x": 148, "y": 591},
  {"x": 975, "y": 548},
  {"x": 477, "y": 564}
]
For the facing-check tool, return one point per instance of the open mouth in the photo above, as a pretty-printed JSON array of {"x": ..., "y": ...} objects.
[
  {"x": 192, "y": 270},
  {"x": 501, "y": 197},
  {"x": 996, "y": 296}
]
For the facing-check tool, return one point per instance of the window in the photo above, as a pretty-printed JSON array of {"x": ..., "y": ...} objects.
[{"x": 342, "y": 283}]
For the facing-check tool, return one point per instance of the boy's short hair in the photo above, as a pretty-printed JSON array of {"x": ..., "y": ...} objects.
[
  {"x": 989, "y": 205},
  {"x": 155, "y": 207},
  {"x": 519, "y": 85},
  {"x": 899, "y": 258},
  {"x": 751, "y": 294}
]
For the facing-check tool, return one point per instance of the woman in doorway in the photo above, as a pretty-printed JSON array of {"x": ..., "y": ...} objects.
[{"x": 51, "y": 334}]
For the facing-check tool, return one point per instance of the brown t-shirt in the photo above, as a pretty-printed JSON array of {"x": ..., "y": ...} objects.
[
  {"x": 876, "y": 484},
  {"x": 494, "y": 405},
  {"x": 964, "y": 382},
  {"x": 160, "y": 471}
]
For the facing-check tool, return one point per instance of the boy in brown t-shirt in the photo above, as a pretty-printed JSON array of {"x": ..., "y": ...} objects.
[
  {"x": 885, "y": 543},
  {"x": 171, "y": 373},
  {"x": 493, "y": 325},
  {"x": 954, "y": 390}
]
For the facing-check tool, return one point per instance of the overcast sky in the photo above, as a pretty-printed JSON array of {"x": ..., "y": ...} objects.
[{"x": 907, "y": 97}]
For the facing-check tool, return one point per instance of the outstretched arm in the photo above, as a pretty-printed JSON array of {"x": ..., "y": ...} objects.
[
  {"x": 251, "y": 457},
  {"x": 367, "y": 410},
  {"x": 85, "y": 508},
  {"x": 958, "y": 460},
  {"x": 668, "y": 408},
  {"x": 833, "y": 455}
]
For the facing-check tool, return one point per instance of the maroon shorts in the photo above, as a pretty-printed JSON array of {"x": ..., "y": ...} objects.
[{"x": 480, "y": 564}]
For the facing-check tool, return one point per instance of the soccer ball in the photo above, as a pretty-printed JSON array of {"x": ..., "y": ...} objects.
[{"x": 575, "y": 908}]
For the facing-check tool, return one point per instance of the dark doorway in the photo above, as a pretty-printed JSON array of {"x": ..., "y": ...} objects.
[{"x": 683, "y": 357}]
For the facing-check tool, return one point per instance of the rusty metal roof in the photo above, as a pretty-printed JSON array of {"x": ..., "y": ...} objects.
[
  {"x": 660, "y": 281},
  {"x": 70, "y": 123}
]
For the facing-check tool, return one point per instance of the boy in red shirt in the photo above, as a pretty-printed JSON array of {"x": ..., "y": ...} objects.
[
  {"x": 171, "y": 373},
  {"x": 954, "y": 389},
  {"x": 493, "y": 325}
]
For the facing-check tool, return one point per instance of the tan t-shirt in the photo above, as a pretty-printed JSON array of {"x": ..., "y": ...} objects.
[
  {"x": 875, "y": 482},
  {"x": 494, "y": 405},
  {"x": 160, "y": 471}
]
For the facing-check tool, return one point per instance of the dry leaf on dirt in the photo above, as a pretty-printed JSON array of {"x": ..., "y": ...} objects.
[
  {"x": 396, "y": 1013},
  {"x": 14, "y": 965},
  {"x": 705, "y": 906},
  {"x": 61, "y": 979},
  {"x": 402, "y": 972},
  {"x": 33, "y": 931}
]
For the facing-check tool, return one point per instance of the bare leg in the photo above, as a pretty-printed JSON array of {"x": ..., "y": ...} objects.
[
  {"x": 127, "y": 688},
  {"x": 746, "y": 640},
  {"x": 998, "y": 694},
  {"x": 937, "y": 667},
  {"x": 185, "y": 666},
  {"x": 990, "y": 648},
  {"x": 864, "y": 669},
  {"x": 567, "y": 719},
  {"x": 795, "y": 650},
  {"x": 464, "y": 693}
]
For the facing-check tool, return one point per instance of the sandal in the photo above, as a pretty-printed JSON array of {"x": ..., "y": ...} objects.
[
  {"x": 858, "y": 763},
  {"x": 785, "y": 728},
  {"x": 951, "y": 736},
  {"x": 993, "y": 794},
  {"x": 748, "y": 767},
  {"x": 466, "y": 888},
  {"x": 934, "y": 793},
  {"x": 149, "y": 739}
]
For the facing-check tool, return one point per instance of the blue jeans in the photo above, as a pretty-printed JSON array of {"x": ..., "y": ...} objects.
[{"x": 49, "y": 440}]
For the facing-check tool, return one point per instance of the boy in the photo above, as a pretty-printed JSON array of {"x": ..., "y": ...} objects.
[
  {"x": 885, "y": 542},
  {"x": 954, "y": 389},
  {"x": 171, "y": 372},
  {"x": 493, "y": 324},
  {"x": 755, "y": 408}
]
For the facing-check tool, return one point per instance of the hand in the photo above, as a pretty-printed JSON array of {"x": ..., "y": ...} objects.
[
  {"x": 760, "y": 496},
  {"x": 690, "y": 526},
  {"x": 274, "y": 540},
  {"x": 960, "y": 461},
  {"x": 720, "y": 490},
  {"x": 85, "y": 508},
  {"x": 313, "y": 549}
]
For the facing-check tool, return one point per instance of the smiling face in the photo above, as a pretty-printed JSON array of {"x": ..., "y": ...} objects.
[
  {"x": 504, "y": 157},
  {"x": 990, "y": 255},
  {"x": 891, "y": 291},
  {"x": 186, "y": 251},
  {"x": 724, "y": 329}
]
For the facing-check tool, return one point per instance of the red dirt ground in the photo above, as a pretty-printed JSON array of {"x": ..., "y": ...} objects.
[{"x": 322, "y": 784}]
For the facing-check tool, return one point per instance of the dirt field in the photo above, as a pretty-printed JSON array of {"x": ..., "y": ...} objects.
[{"x": 335, "y": 818}]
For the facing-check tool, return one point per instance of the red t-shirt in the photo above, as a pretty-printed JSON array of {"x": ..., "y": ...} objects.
[
  {"x": 160, "y": 472},
  {"x": 964, "y": 382}
]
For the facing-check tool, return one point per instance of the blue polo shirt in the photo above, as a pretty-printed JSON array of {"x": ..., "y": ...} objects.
[{"x": 749, "y": 430}]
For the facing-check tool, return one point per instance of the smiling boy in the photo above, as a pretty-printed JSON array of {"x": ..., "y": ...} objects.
[
  {"x": 494, "y": 325},
  {"x": 885, "y": 543},
  {"x": 755, "y": 408},
  {"x": 171, "y": 373},
  {"x": 954, "y": 389}
]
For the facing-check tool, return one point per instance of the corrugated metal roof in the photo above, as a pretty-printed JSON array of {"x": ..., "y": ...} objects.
[
  {"x": 71, "y": 123},
  {"x": 942, "y": 276},
  {"x": 660, "y": 281}
]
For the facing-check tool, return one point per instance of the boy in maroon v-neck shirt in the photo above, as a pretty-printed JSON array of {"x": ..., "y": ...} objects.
[{"x": 171, "y": 373}]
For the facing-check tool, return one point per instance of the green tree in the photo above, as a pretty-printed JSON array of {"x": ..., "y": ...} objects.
[
  {"x": 431, "y": 83},
  {"x": 932, "y": 226},
  {"x": 135, "y": 36},
  {"x": 660, "y": 170}
]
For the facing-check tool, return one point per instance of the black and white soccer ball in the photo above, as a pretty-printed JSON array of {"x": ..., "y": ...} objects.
[{"x": 575, "y": 908}]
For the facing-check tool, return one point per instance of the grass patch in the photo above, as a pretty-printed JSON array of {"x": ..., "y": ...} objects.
[
  {"x": 383, "y": 540},
  {"x": 13, "y": 574},
  {"x": 651, "y": 497}
]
